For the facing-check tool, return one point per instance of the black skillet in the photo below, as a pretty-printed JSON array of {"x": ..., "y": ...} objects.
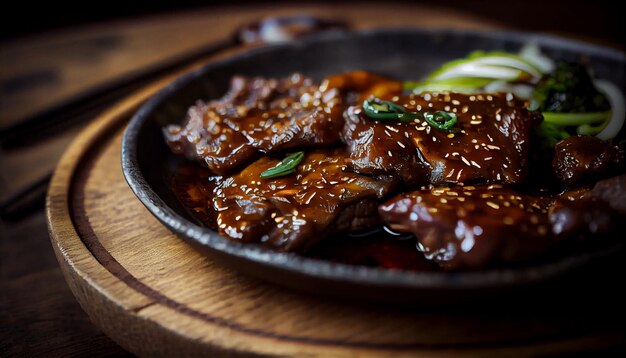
[{"x": 400, "y": 53}]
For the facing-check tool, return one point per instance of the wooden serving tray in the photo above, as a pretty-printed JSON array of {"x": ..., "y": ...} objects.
[{"x": 156, "y": 295}]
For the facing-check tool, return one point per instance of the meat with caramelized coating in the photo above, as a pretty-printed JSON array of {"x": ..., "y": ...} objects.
[
  {"x": 584, "y": 159},
  {"x": 293, "y": 212},
  {"x": 491, "y": 145},
  {"x": 256, "y": 116},
  {"x": 470, "y": 227}
]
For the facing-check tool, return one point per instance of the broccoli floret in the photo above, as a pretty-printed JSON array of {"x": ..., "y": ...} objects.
[{"x": 569, "y": 89}]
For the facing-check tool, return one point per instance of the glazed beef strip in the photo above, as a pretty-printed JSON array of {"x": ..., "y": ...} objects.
[
  {"x": 470, "y": 227},
  {"x": 257, "y": 115},
  {"x": 580, "y": 160},
  {"x": 295, "y": 211},
  {"x": 491, "y": 147},
  {"x": 260, "y": 115}
]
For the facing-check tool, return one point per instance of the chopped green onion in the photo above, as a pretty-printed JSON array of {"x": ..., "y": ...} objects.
[
  {"x": 575, "y": 119},
  {"x": 285, "y": 167},
  {"x": 378, "y": 109},
  {"x": 444, "y": 121}
]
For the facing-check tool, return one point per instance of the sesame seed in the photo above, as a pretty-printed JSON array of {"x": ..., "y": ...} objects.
[
  {"x": 488, "y": 158},
  {"x": 392, "y": 129},
  {"x": 458, "y": 175},
  {"x": 493, "y": 205},
  {"x": 465, "y": 161},
  {"x": 310, "y": 198},
  {"x": 475, "y": 164},
  {"x": 401, "y": 145}
]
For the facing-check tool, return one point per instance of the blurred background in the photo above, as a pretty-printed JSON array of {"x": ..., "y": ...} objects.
[{"x": 600, "y": 19}]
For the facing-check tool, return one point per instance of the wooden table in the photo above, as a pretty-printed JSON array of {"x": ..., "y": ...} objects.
[{"x": 38, "y": 314}]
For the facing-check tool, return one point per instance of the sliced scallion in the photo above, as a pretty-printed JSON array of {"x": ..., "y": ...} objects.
[{"x": 285, "y": 167}]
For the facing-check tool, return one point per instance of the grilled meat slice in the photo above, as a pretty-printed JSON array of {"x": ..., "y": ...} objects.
[
  {"x": 580, "y": 160},
  {"x": 258, "y": 115},
  {"x": 206, "y": 138},
  {"x": 295, "y": 211},
  {"x": 491, "y": 146},
  {"x": 467, "y": 227}
]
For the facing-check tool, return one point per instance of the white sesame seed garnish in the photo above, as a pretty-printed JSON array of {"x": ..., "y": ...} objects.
[
  {"x": 391, "y": 128},
  {"x": 493, "y": 205}
]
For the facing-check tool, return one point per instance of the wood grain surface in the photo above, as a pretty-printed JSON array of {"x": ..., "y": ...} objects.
[{"x": 156, "y": 295}]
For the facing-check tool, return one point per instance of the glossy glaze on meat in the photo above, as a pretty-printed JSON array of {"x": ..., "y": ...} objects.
[
  {"x": 470, "y": 227},
  {"x": 260, "y": 115},
  {"x": 491, "y": 146},
  {"x": 295, "y": 211},
  {"x": 473, "y": 210},
  {"x": 582, "y": 160},
  {"x": 257, "y": 116}
]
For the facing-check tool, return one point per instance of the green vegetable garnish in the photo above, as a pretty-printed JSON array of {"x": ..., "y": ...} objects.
[
  {"x": 380, "y": 110},
  {"x": 569, "y": 89},
  {"x": 444, "y": 121},
  {"x": 285, "y": 167},
  {"x": 385, "y": 110}
]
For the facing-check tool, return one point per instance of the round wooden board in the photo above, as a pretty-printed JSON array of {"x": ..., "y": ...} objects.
[{"x": 156, "y": 295}]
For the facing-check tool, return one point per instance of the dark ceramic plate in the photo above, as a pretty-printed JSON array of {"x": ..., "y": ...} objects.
[{"x": 401, "y": 53}]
